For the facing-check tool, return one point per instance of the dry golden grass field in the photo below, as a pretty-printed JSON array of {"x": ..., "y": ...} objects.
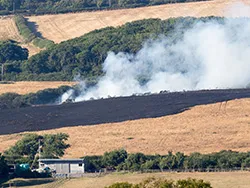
[
  {"x": 217, "y": 180},
  {"x": 8, "y": 29},
  {"x": 31, "y": 87},
  {"x": 62, "y": 27},
  {"x": 205, "y": 129}
]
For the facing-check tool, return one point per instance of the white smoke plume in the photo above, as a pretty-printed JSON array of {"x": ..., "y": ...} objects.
[{"x": 209, "y": 56}]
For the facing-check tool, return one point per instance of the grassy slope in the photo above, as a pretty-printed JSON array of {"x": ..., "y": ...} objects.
[{"x": 205, "y": 129}]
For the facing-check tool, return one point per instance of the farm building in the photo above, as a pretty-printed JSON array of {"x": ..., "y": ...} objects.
[{"x": 63, "y": 166}]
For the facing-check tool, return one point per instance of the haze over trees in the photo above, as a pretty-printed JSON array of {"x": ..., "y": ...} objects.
[{"x": 85, "y": 55}]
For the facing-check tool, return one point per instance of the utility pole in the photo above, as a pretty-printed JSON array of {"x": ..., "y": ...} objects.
[
  {"x": 14, "y": 6},
  {"x": 29, "y": 6},
  {"x": 2, "y": 72},
  {"x": 39, "y": 152}
]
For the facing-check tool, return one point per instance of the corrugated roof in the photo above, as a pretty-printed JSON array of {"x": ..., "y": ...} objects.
[{"x": 62, "y": 160}]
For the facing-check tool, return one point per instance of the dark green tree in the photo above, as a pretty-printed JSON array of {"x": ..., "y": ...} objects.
[
  {"x": 9, "y": 51},
  {"x": 53, "y": 145},
  {"x": 114, "y": 158},
  {"x": 26, "y": 149},
  {"x": 134, "y": 161},
  {"x": 3, "y": 167}
]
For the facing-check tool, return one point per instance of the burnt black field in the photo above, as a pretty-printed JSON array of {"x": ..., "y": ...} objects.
[{"x": 110, "y": 110}]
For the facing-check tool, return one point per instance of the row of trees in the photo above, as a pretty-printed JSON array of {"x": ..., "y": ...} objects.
[
  {"x": 62, "y": 6},
  {"x": 46, "y": 96},
  {"x": 121, "y": 160}
]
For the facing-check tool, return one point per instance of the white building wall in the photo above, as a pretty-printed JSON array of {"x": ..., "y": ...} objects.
[
  {"x": 76, "y": 168},
  {"x": 64, "y": 167}
]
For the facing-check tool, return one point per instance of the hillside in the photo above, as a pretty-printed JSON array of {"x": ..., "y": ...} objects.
[
  {"x": 62, "y": 27},
  {"x": 205, "y": 129}
]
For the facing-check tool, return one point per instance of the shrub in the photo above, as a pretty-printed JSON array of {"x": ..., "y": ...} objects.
[
  {"x": 192, "y": 183},
  {"x": 43, "y": 43},
  {"x": 121, "y": 185},
  {"x": 153, "y": 182}
]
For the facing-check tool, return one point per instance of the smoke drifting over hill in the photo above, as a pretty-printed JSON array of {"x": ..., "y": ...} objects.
[{"x": 208, "y": 56}]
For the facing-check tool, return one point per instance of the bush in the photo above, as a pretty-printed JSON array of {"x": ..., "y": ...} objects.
[
  {"x": 11, "y": 100},
  {"x": 121, "y": 185},
  {"x": 192, "y": 183},
  {"x": 43, "y": 43},
  {"x": 153, "y": 182}
]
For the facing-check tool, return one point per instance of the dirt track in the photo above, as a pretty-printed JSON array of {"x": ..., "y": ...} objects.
[
  {"x": 109, "y": 110},
  {"x": 62, "y": 27}
]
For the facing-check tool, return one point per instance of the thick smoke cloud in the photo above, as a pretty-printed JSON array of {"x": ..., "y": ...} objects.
[{"x": 208, "y": 56}]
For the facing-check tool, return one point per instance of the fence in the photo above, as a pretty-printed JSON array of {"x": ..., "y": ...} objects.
[{"x": 104, "y": 172}]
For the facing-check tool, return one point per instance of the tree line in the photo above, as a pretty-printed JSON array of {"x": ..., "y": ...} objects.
[
  {"x": 64, "y": 6},
  {"x": 120, "y": 160},
  {"x": 46, "y": 96}
]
